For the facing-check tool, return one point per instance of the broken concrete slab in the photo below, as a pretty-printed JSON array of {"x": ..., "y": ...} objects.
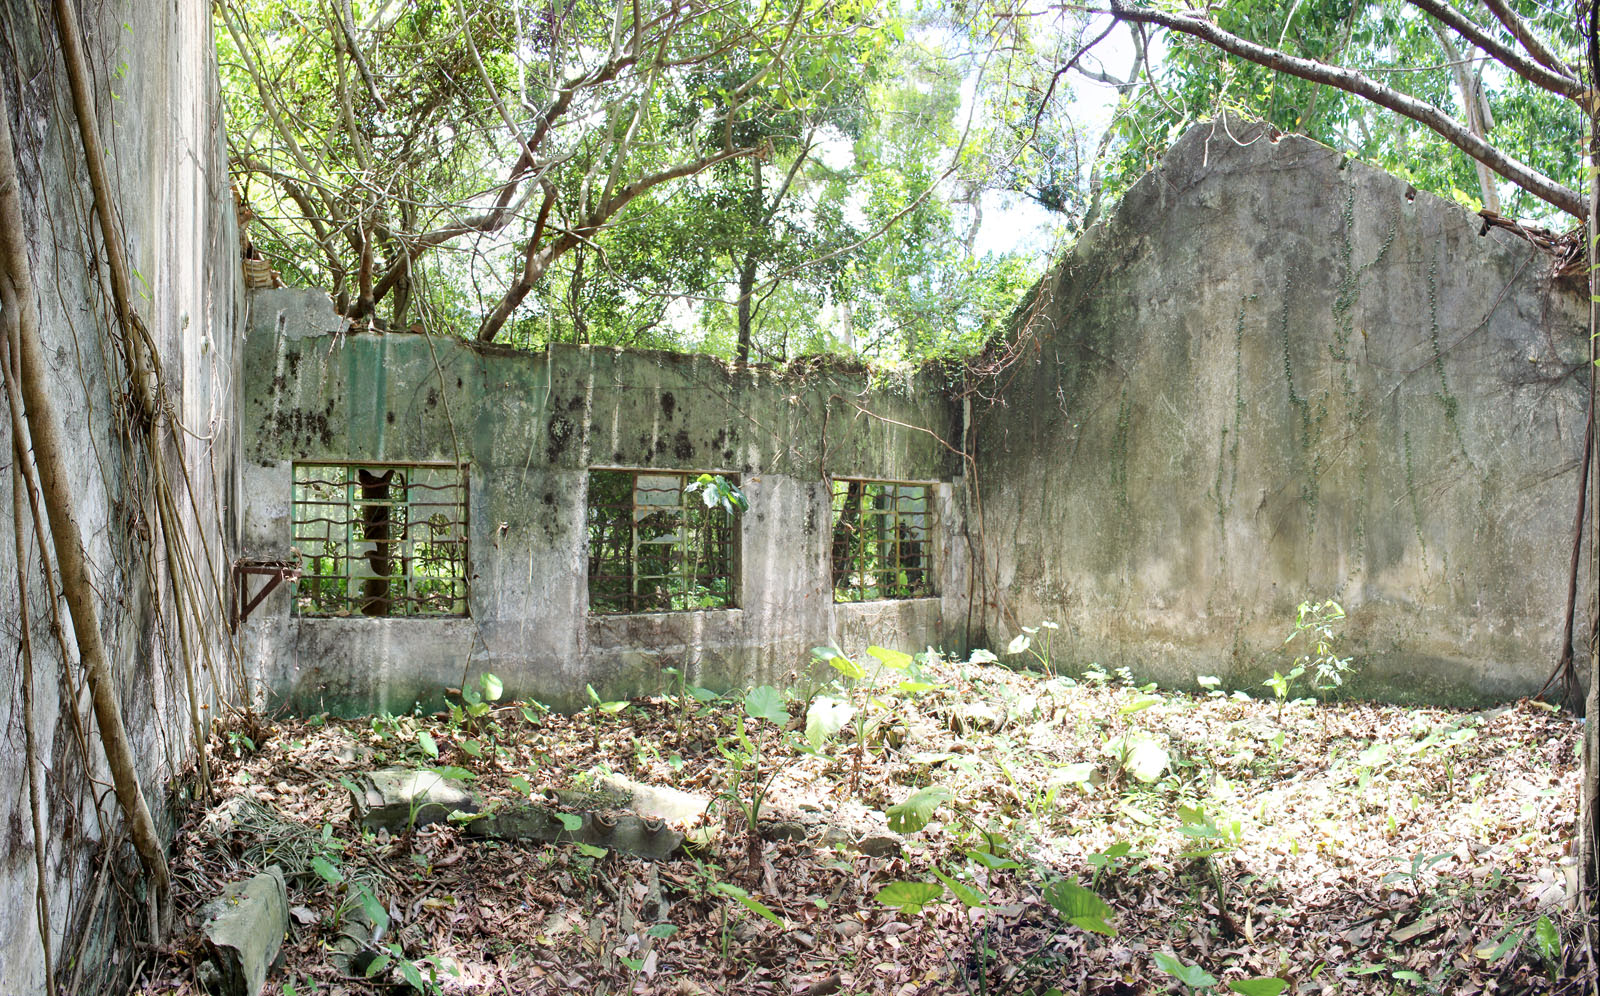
[
  {"x": 781, "y": 829},
  {"x": 244, "y": 929},
  {"x": 625, "y": 832},
  {"x": 657, "y": 801},
  {"x": 396, "y": 799}
]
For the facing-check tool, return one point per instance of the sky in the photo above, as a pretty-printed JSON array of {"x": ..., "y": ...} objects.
[{"x": 1014, "y": 222}]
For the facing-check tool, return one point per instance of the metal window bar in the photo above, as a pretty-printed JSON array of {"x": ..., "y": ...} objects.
[
  {"x": 380, "y": 539},
  {"x": 882, "y": 547},
  {"x": 654, "y": 546}
]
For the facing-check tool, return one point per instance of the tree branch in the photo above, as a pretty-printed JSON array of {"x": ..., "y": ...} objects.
[
  {"x": 537, "y": 258},
  {"x": 1350, "y": 81},
  {"x": 1533, "y": 72},
  {"x": 1523, "y": 32}
]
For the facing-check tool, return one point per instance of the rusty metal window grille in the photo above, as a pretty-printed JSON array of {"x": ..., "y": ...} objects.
[
  {"x": 881, "y": 540},
  {"x": 380, "y": 539},
  {"x": 654, "y": 546}
]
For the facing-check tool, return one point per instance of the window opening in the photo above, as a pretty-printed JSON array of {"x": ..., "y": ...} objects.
[
  {"x": 654, "y": 546},
  {"x": 380, "y": 540},
  {"x": 880, "y": 540}
]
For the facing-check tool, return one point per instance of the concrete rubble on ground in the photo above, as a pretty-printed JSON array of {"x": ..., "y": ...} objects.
[
  {"x": 244, "y": 929},
  {"x": 619, "y": 814}
]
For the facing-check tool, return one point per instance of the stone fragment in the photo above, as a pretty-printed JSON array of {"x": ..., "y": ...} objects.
[
  {"x": 879, "y": 845},
  {"x": 396, "y": 798},
  {"x": 775, "y": 830},
  {"x": 657, "y": 801},
  {"x": 244, "y": 930},
  {"x": 838, "y": 837}
]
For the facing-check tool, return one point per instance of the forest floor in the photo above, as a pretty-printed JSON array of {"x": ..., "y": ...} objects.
[{"x": 1340, "y": 848}]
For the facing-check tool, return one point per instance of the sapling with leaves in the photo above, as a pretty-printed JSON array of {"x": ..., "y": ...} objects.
[
  {"x": 471, "y": 715},
  {"x": 598, "y": 709},
  {"x": 827, "y": 713},
  {"x": 751, "y": 768},
  {"x": 1316, "y": 629}
]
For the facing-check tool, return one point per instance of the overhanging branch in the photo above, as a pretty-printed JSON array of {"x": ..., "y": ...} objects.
[{"x": 1350, "y": 81}]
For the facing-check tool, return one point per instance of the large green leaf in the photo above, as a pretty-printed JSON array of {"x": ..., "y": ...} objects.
[
  {"x": 1192, "y": 976},
  {"x": 824, "y": 718},
  {"x": 917, "y": 810},
  {"x": 766, "y": 702},
  {"x": 327, "y": 870},
  {"x": 844, "y": 665},
  {"x": 1549, "y": 939},
  {"x": 750, "y": 903},
  {"x": 1082, "y": 908},
  {"x": 1262, "y": 986},
  {"x": 1147, "y": 760},
  {"x": 893, "y": 659},
  {"x": 967, "y": 894},
  {"x": 909, "y": 897},
  {"x": 374, "y": 910}
]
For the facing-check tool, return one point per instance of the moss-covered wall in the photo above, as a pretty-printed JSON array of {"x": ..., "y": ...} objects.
[
  {"x": 530, "y": 426},
  {"x": 153, "y": 85},
  {"x": 1273, "y": 375}
]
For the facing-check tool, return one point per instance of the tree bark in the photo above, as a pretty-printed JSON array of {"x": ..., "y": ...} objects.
[{"x": 66, "y": 538}]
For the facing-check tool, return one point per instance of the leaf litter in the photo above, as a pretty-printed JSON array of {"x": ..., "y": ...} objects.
[{"x": 1340, "y": 847}]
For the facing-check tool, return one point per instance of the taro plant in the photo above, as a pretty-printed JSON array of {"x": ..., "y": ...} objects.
[
  {"x": 1025, "y": 642},
  {"x": 869, "y": 710},
  {"x": 752, "y": 768},
  {"x": 1136, "y": 751},
  {"x": 1196, "y": 980}
]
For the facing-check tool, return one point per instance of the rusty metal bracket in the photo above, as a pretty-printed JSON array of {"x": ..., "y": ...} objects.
[{"x": 275, "y": 571}]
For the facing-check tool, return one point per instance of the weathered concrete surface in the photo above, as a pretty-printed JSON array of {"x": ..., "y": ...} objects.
[
  {"x": 531, "y": 426},
  {"x": 244, "y": 930},
  {"x": 658, "y": 802},
  {"x": 158, "y": 113},
  {"x": 400, "y": 799},
  {"x": 627, "y": 832},
  {"x": 1272, "y": 375}
]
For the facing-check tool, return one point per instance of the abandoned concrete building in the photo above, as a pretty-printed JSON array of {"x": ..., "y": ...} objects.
[{"x": 1270, "y": 374}]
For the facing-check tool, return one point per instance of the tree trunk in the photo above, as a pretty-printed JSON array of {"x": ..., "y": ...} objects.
[
  {"x": 1588, "y": 843},
  {"x": 747, "y": 270}
]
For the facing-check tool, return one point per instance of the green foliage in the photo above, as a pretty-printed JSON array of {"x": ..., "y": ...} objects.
[
  {"x": 1080, "y": 907},
  {"x": 719, "y": 492},
  {"x": 909, "y": 897},
  {"x": 1316, "y": 628},
  {"x": 1193, "y": 80},
  {"x": 766, "y": 702},
  {"x": 917, "y": 810},
  {"x": 1317, "y": 625},
  {"x": 755, "y": 906}
]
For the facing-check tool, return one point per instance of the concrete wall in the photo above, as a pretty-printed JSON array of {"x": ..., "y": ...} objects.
[
  {"x": 1274, "y": 375},
  {"x": 531, "y": 426},
  {"x": 160, "y": 119}
]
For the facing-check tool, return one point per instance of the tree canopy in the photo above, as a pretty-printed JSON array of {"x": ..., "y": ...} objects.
[
  {"x": 763, "y": 181},
  {"x": 753, "y": 179}
]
